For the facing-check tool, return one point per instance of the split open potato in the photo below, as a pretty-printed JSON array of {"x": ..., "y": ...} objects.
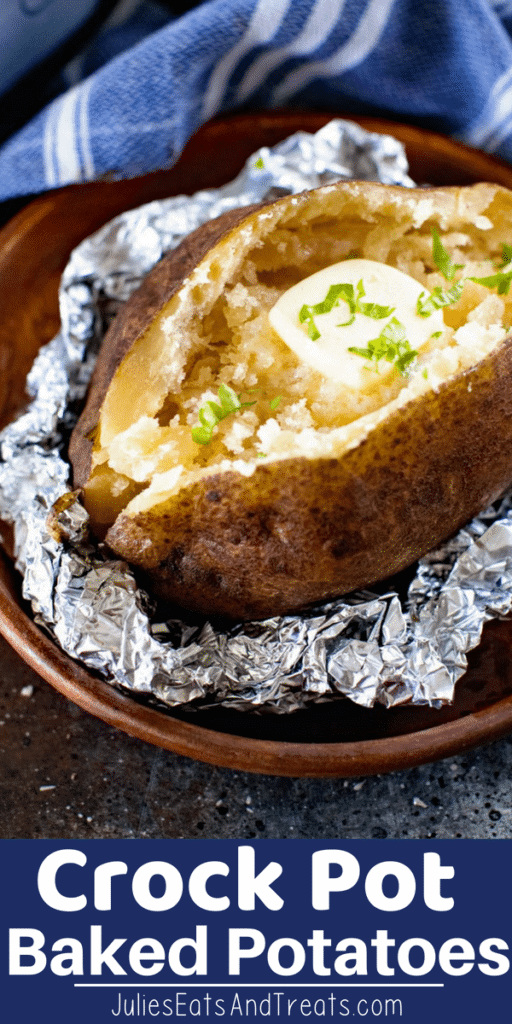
[{"x": 268, "y": 426}]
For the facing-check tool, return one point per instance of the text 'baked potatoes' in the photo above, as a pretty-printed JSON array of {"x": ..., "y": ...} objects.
[{"x": 259, "y": 435}]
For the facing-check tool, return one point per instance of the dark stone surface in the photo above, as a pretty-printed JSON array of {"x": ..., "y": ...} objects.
[{"x": 64, "y": 774}]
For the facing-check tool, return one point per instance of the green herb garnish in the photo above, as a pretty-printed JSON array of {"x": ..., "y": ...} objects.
[
  {"x": 506, "y": 256},
  {"x": 259, "y": 163},
  {"x": 210, "y": 413},
  {"x": 342, "y": 293},
  {"x": 336, "y": 294},
  {"x": 440, "y": 297},
  {"x": 391, "y": 345},
  {"x": 436, "y": 334},
  {"x": 500, "y": 281},
  {"x": 371, "y": 309},
  {"x": 442, "y": 258}
]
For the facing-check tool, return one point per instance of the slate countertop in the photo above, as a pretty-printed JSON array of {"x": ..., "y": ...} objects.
[{"x": 64, "y": 774}]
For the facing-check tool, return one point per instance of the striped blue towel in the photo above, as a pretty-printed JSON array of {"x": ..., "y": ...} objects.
[{"x": 445, "y": 64}]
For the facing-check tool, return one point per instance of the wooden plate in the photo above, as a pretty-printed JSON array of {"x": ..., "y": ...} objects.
[{"x": 324, "y": 740}]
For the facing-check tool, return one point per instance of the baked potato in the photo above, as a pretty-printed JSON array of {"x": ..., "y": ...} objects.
[{"x": 241, "y": 476}]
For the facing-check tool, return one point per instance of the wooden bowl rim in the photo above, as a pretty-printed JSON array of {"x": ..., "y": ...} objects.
[{"x": 93, "y": 694}]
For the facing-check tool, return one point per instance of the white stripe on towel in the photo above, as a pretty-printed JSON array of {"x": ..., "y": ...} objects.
[
  {"x": 352, "y": 53},
  {"x": 50, "y": 174},
  {"x": 265, "y": 21},
  {"x": 503, "y": 8},
  {"x": 321, "y": 22},
  {"x": 494, "y": 141},
  {"x": 83, "y": 129},
  {"x": 65, "y": 139},
  {"x": 496, "y": 110}
]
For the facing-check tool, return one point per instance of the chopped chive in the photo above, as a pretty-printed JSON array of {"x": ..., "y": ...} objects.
[
  {"x": 210, "y": 413},
  {"x": 506, "y": 256},
  {"x": 229, "y": 400},
  {"x": 440, "y": 297},
  {"x": 342, "y": 293},
  {"x": 442, "y": 258},
  {"x": 391, "y": 345},
  {"x": 500, "y": 281},
  {"x": 201, "y": 435}
]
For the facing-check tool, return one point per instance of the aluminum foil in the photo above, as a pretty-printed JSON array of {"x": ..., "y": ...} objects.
[{"x": 382, "y": 647}]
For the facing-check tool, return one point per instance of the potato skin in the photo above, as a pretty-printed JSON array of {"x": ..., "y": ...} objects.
[
  {"x": 162, "y": 282},
  {"x": 300, "y": 531}
]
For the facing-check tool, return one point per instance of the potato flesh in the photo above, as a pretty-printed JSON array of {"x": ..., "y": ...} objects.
[{"x": 146, "y": 451}]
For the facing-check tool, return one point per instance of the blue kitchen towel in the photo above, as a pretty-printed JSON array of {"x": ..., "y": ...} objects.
[{"x": 446, "y": 64}]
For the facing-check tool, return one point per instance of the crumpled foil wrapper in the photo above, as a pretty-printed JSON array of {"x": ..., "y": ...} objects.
[{"x": 371, "y": 647}]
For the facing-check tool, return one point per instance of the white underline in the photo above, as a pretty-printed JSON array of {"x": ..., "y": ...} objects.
[{"x": 260, "y": 984}]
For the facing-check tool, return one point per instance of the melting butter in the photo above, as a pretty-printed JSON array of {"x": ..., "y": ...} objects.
[{"x": 341, "y": 328}]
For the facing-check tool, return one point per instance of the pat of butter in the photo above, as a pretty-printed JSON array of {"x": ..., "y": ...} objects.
[{"x": 329, "y": 354}]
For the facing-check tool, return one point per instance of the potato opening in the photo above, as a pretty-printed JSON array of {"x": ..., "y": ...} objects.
[{"x": 214, "y": 339}]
